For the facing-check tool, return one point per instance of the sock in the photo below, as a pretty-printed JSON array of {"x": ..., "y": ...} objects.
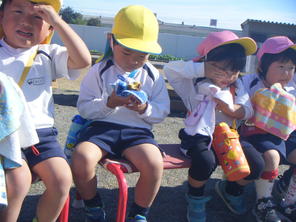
[
  {"x": 263, "y": 188},
  {"x": 136, "y": 209},
  {"x": 290, "y": 196},
  {"x": 233, "y": 188},
  {"x": 196, "y": 191},
  {"x": 96, "y": 201}
]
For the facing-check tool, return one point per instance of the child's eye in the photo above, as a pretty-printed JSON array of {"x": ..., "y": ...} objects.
[
  {"x": 18, "y": 11},
  {"x": 125, "y": 53},
  {"x": 37, "y": 17}
]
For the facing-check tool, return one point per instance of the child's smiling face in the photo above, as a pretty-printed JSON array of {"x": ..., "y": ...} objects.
[
  {"x": 22, "y": 26},
  {"x": 280, "y": 72}
]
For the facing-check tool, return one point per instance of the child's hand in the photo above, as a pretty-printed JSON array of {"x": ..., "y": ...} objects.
[
  {"x": 237, "y": 112},
  {"x": 47, "y": 13},
  {"x": 136, "y": 105},
  {"x": 222, "y": 106},
  {"x": 114, "y": 100}
]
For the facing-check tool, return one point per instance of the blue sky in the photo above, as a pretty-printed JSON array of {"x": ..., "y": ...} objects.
[{"x": 229, "y": 13}]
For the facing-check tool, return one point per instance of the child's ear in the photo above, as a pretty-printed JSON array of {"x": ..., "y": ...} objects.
[{"x": 109, "y": 36}]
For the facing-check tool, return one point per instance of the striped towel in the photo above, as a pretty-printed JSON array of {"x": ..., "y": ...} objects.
[{"x": 275, "y": 111}]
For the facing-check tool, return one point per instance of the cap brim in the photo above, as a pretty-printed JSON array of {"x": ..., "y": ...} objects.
[
  {"x": 139, "y": 45},
  {"x": 246, "y": 42},
  {"x": 293, "y": 47}
]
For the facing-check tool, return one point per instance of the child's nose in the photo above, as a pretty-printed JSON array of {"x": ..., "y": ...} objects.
[{"x": 26, "y": 20}]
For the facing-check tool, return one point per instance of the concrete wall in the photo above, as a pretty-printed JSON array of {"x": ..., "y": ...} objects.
[
  {"x": 183, "y": 46},
  {"x": 176, "y": 45}
]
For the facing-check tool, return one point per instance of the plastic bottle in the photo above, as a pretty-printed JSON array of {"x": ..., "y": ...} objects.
[
  {"x": 229, "y": 152},
  {"x": 77, "y": 123}
]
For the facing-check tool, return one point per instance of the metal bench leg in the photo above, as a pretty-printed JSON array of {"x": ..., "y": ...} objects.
[
  {"x": 64, "y": 216},
  {"x": 117, "y": 170}
]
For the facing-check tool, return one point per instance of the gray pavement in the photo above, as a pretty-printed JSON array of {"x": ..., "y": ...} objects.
[{"x": 169, "y": 205}]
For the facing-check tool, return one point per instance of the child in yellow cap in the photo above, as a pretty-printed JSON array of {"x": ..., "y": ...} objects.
[
  {"x": 26, "y": 56},
  {"x": 123, "y": 116}
]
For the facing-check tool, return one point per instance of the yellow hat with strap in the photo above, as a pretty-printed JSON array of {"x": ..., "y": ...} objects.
[
  {"x": 136, "y": 27},
  {"x": 56, "y": 4}
]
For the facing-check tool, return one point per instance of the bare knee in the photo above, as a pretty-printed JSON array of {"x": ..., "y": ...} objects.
[
  {"x": 151, "y": 166},
  {"x": 85, "y": 158},
  {"x": 60, "y": 184},
  {"x": 272, "y": 159},
  {"x": 18, "y": 181}
]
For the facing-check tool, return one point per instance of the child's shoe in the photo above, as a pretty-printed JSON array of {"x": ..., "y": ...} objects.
[
  {"x": 137, "y": 218},
  {"x": 265, "y": 211},
  {"x": 95, "y": 214},
  {"x": 236, "y": 204},
  {"x": 287, "y": 213},
  {"x": 196, "y": 209}
]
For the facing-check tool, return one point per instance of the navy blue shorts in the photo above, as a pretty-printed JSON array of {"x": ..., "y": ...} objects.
[
  {"x": 265, "y": 142},
  {"x": 115, "y": 138},
  {"x": 47, "y": 147},
  {"x": 291, "y": 143}
]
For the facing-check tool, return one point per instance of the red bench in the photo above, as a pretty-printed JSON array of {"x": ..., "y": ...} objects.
[{"x": 174, "y": 159}]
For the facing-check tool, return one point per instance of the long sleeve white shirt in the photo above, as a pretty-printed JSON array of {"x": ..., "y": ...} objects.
[
  {"x": 182, "y": 76},
  {"x": 96, "y": 87}
]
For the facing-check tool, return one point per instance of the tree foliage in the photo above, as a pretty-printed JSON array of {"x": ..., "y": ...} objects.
[
  {"x": 72, "y": 17},
  {"x": 94, "y": 22}
]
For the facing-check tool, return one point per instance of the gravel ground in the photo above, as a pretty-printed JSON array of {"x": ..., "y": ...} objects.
[{"x": 169, "y": 206}]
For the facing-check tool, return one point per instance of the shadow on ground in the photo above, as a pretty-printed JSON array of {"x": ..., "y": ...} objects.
[
  {"x": 65, "y": 99},
  {"x": 169, "y": 206}
]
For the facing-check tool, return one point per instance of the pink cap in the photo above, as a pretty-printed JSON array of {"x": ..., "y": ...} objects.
[
  {"x": 275, "y": 45},
  {"x": 215, "y": 39}
]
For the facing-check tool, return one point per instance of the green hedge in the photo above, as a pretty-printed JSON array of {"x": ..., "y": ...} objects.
[{"x": 163, "y": 58}]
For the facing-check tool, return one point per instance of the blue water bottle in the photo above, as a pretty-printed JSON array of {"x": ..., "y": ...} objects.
[{"x": 77, "y": 124}]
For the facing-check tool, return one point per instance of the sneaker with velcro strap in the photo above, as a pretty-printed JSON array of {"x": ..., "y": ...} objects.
[
  {"x": 287, "y": 213},
  {"x": 265, "y": 210},
  {"x": 95, "y": 214},
  {"x": 137, "y": 218}
]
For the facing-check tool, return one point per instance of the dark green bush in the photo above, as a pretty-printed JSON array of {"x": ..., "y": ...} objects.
[{"x": 164, "y": 58}]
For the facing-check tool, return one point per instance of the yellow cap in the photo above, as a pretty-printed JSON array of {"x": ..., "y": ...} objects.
[
  {"x": 136, "y": 27},
  {"x": 56, "y": 4}
]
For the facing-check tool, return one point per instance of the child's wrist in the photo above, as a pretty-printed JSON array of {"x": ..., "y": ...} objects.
[
  {"x": 110, "y": 104},
  {"x": 143, "y": 110}
]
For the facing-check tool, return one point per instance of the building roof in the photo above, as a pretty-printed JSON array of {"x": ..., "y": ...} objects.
[{"x": 265, "y": 22}]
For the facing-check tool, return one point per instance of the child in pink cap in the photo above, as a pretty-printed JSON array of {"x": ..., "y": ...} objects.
[
  {"x": 277, "y": 61},
  {"x": 222, "y": 58}
]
